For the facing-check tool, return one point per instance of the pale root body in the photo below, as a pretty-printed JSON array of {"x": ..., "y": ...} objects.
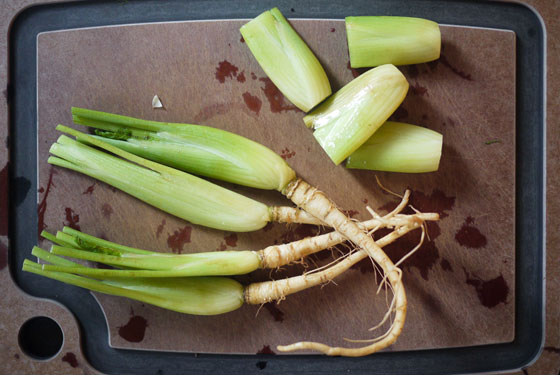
[
  {"x": 279, "y": 255},
  {"x": 317, "y": 204},
  {"x": 282, "y": 214},
  {"x": 276, "y": 290}
]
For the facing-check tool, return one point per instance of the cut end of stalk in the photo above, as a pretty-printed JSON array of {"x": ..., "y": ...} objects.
[
  {"x": 399, "y": 147},
  {"x": 348, "y": 118},
  {"x": 286, "y": 59},
  {"x": 378, "y": 40}
]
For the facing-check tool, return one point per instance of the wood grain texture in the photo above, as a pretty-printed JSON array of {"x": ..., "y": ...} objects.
[{"x": 460, "y": 292}]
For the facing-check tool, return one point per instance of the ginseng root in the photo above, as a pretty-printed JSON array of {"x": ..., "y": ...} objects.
[{"x": 317, "y": 204}]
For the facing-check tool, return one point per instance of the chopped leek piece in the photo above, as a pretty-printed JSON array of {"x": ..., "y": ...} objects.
[
  {"x": 379, "y": 40},
  {"x": 286, "y": 59},
  {"x": 349, "y": 117},
  {"x": 201, "y": 150},
  {"x": 173, "y": 191},
  {"x": 399, "y": 147}
]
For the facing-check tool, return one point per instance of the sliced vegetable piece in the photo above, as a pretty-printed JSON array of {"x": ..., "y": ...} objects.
[
  {"x": 378, "y": 40},
  {"x": 286, "y": 59},
  {"x": 348, "y": 118},
  {"x": 399, "y": 147}
]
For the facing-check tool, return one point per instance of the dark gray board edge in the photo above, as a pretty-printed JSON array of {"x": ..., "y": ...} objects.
[{"x": 529, "y": 200}]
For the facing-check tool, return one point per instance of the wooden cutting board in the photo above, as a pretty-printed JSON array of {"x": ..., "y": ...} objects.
[{"x": 460, "y": 284}]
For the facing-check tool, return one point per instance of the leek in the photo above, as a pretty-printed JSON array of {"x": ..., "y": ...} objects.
[
  {"x": 168, "y": 189},
  {"x": 348, "y": 118},
  {"x": 286, "y": 59},
  {"x": 189, "y": 295},
  {"x": 399, "y": 147},
  {"x": 201, "y": 150},
  {"x": 374, "y": 41}
]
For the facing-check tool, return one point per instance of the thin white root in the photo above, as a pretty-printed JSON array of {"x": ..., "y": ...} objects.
[
  {"x": 267, "y": 291},
  {"x": 278, "y": 255},
  {"x": 317, "y": 204},
  {"x": 385, "y": 189}
]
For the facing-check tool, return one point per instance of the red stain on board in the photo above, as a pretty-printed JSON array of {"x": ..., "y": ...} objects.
[
  {"x": 276, "y": 313},
  {"x": 490, "y": 292},
  {"x": 268, "y": 226},
  {"x": 400, "y": 114},
  {"x": 72, "y": 218},
  {"x": 456, "y": 71},
  {"x": 365, "y": 200},
  {"x": 42, "y": 206},
  {"x": 211, "y": 111},
  {"x": 350, "y": 213},
  {"x": 106, "y": 210},
  {"x": 356, "y": 72},
  {"x": 70, "y": 358},
  {"x": 179, "y": 238},
  {"x": 89, "y": 189},
  {"x": 242, "y": 40},
  {"x": 135, "y": 329},
  {"x": 160, "y": 228},
  {"x": 299, "y": 232},
  {"x": 3, "y": 256},
  {"x": 266, "y": 350},
  {"x": 253, "y": 76},
  {"x": 445, "y": 265},
  {"x": 16, "y": 356},
  {"x": 416, "y": 89},
  {"x": 333, "y": 29},
  {"x": 275, "y": 98},
  {"x": 552, "y": 349},
  {"x": 287, "y": 154},
  {"x": 470, "y": 236},
  {"x": 241, "y": 77},
  {"x": 252, "y": 102},
  {"x": 231, "y": 240},
  {"x": 226, "y": 70},
  {"x": 222, "y": 247},
  {"x": 4, "y": 201}
]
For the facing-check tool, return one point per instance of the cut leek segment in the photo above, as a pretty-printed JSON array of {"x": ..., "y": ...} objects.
[
  {"x": 348, "y": 118},
  {"x": 286, "y": 59},
  {"x": 378, "y": 40},
  {"x": 173, "y": 191},
  {"x": 201, "y": 150},
  {"x": 399, "y": 147}
]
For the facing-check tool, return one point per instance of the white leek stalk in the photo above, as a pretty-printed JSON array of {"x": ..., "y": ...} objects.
[
  {"x": 286, "y": 59},
  {"x": 399, "y": 147},
  {"x": 378, "y": 40},
  {"x": 348, "y": 118}
]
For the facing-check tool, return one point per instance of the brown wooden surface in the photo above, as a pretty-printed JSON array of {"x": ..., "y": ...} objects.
[{"x": 460, "y": 284}]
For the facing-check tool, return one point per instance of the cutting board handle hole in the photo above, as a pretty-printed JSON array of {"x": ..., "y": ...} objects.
[{"x": 40, "y": 338}]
